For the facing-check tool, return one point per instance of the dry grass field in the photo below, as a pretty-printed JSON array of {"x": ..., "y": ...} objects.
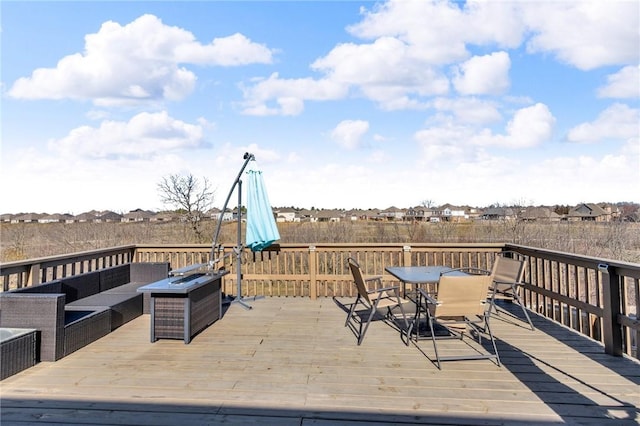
[{"x": 614, "y": 240}]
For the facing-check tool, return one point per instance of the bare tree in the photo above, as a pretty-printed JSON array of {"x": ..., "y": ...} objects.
[
  {"x": 428, "y": 203},
  {"x": 190, "y": 196}
]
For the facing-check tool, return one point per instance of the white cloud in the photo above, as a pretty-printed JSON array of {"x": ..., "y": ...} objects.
[
  {"x": 234, "y": 50},
  {"x": 619, "y": 121},
  {"x": 623, "y": 84},
  {"x": 469, "y": 110},
  {"x": 438, "y": 31},
  {"x": 412, "y": 41},
  {"x": 529, "y": 127},
  {"x": 408, "y": 44},
  {"x": 146, "y": 134},
  {"x": 443, "y": 143},
  {"x": 482, "y": 75},
  {"x": 288, "y": 94},
  {"x": 402, "y": 64},
  {"x": 135, "y": 63},
  {"x": 349, "y": 133},
  {"x": 386, "y": 71},
  {"x": 585, "y": 34}
]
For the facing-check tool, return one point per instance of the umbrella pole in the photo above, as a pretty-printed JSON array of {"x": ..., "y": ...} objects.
[
  {"x": 238, "y": 251},
  {"x": 215, "y": 249},
  {"x": 214, "y": 246}
]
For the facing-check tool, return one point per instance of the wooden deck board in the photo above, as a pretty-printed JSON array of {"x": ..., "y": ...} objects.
[{"x": 292, "y": 361}]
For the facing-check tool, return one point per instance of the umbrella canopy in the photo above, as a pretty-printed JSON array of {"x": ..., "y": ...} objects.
[{"x": 261, "y": 225}]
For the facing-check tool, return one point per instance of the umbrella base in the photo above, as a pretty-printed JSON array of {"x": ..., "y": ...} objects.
[{"x": 229, "y": 300}]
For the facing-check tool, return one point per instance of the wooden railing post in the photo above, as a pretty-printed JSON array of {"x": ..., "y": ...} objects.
[
  {"x": 313, "y": 285},
  {"x": 34, "y": 275},
  {"x": 611, "y": 330},
  {"x": 406, "y": 255}
]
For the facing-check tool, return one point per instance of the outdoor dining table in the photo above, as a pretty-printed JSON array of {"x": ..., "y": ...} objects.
[{"x": 419, "y": 275}]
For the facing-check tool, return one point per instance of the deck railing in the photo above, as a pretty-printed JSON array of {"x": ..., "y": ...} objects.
[{"x": 596, "y": 297}]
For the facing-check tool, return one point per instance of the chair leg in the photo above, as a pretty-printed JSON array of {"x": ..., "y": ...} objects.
[
  {"x": 352, "y": 310},
  {"x": 433, "y": 338},
  {"x": 409, "y": 330},
  {"x": 404, "y": 315},
  {"x": 493, "y": 341},
  {"x": 524, "y": 310},
  {"x": 366, "y": 326}
]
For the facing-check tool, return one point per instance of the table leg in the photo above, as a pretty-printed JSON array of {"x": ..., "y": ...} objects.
[{"x": 187, "y": 320}]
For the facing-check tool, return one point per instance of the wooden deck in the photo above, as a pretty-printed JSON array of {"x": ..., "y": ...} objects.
[{"x": 291, "y": 361}]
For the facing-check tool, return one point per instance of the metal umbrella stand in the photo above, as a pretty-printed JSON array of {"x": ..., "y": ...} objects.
[{"x": 261, "y": 228}]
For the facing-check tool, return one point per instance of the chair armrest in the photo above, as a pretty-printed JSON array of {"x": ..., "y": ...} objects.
[
  {"x": 44, "y": 312},
  {"x": 508, "y": 282},
  {"x": 380, "y": 290},
  {"x": 430, "y": 300}
]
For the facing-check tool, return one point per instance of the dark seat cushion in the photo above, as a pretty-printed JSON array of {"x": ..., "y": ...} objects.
[
  {"x": 124, "y": 306},
  {"x": 132, "y": 288}
]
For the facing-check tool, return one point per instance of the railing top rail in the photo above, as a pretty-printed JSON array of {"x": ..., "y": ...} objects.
[
  {"x": 337, "y": 245},
  {"x": 63, "y": 258},
  {"x": 628, "y": 268}
]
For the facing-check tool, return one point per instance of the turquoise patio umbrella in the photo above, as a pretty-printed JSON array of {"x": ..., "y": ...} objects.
[{"x": 261, "y": 225}]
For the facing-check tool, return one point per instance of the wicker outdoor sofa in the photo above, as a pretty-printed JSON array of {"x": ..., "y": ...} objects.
[{"x": 71, "y": 312}]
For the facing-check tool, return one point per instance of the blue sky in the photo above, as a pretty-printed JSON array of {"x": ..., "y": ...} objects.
[{"x": 353, "y": 104}]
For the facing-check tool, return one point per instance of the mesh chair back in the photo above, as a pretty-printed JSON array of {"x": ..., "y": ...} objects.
[
  {"x": 462, "y": 296},
  {"x": 358, "y": 278},
  {"x": 506, "y": 271}
]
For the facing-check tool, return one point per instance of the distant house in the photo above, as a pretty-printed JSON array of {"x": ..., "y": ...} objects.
[
  {"x": 308, "y": 215},
  {"x": 138, "y": 215},
  {"x": 540, "y": 214},
  {"x": 287, "y": 214},
  {"x": 329, "y": 215},
  {"x": 472, "y": 213},
  {"x": 85, "y": 217},
  {"x": 216, "y": 214},
  {"x": 109, "y": 216},
  {"x": 356, "y": 214},
  {"x": 164, "y": 217},
  {"x": 588, "y": 212},
  {"x": 392, "y": 213},
  {"x": 498, "y": 213},
  {"x": 449, "y": 213},
  {"x": 27, "y": 218},
  {"x": 615, "y": 213},
  {"x": 56, "y": 218},
  {"x": 418, "y": 214}
]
